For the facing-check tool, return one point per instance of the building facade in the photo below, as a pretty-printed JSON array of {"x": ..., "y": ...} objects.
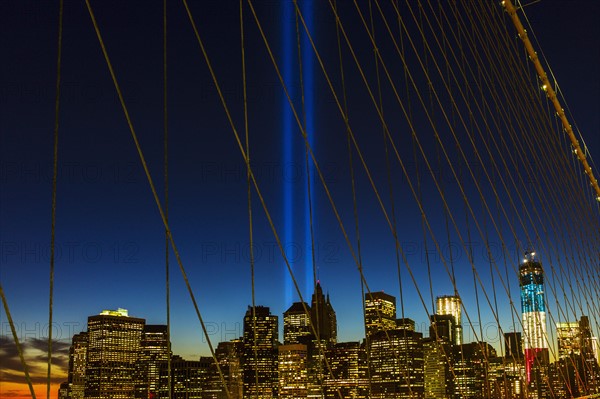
[
  {"x": 260, "y": 356},
  {"x": 113, "y": 354},
  {"x": 380, "y": 312},
  {"x": 450, "y": 305},
  {"x": 533, "y": 306}
]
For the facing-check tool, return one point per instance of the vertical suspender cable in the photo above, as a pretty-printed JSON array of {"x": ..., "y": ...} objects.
[
  {"x": 249, "y": 182},
  {"x": 166, "y": 172},
  {"x": 54, "y": 178}
]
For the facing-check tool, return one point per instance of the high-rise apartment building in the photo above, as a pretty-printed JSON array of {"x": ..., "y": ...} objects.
[
  {"x": 259, "y": 359},
  {"x": 113, "y": 354},
  {"x": 380, "y": 312}
]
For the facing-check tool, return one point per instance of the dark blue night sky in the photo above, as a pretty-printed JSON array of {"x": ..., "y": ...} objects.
[{"x": 110, "y": 238}]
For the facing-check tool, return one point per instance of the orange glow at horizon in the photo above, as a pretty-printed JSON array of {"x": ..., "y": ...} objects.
[{"x": 21, "y": 390}]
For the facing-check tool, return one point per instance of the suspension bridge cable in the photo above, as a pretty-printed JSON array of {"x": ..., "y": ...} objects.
[
  {"x": 154, "y": 192},
  {"x": 166, "y": 194},
  {"x": 552, "y": 95},
  {"x": 13, "y": 330},
  {"x": 249, "y": 196},
  {"x": 54, "y": 184}
]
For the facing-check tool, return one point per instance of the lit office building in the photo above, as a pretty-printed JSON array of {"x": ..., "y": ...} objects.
[
  {"x": 229, "y": 355},
  {"x": 348, "y": 376},
  {"x": 396, "y": 363},
  {"x": 471, "y": 370},
  {"x": 189, "y": 378},
  {"x": 380, "y": 312},
  {"x": 568, "y": 338},
  {"x": 259, "y": 357},
  {"x": 293, "y": 371},
  {"x": 77, "y": 362},
  {"x": 437, "y": 368},
  {"x": 155, "y": 349},
  {"x": 114, "y": 343},
  {"x": 296, "y": 324},
  {"x": 450, "y": 305}
]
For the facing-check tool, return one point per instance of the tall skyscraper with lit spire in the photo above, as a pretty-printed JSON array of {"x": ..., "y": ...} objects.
[{"x": 531, "y": 282}]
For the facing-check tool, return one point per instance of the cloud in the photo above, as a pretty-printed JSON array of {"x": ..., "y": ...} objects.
[
  {"x": 14, "y": 393},
  {"x": 36, "y": 358}
]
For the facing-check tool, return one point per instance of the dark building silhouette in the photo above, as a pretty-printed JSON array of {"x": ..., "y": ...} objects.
[
  {"x": 514, "y": 346},
  {"x": 323, "y": 316},
  {"x": 443, "y": 327},
  {"x": 229, "y": 356}
]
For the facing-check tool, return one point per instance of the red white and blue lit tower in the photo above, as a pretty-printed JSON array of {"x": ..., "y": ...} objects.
[{"x": 533, "y": 307}]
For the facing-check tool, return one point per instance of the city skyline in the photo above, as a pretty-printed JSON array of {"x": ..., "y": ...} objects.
[
  {"x": 110, "y": 240},
  {"x": 115, "y": 336}
]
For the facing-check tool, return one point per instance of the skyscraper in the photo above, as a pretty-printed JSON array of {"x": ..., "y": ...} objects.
[
  {"x": 296, "y": 324},
  {"x": 471, "y": 369},
  {"x": 293, "y": 371},
  {"x": 229, "y": 355},
  {"x": 77, "y": 364},
  {"x": 450, "y": 305},
  {"x": 568, "y": 338},
  {"x": 534, "y": 313},
  {"x": 260, "y": 353},
  {"x": 154, "y": 351},
  {"x": 323, "y": 316},
  {"x": 380, "y": 312},
  {"x": 114, "y": 343},
  {"x": 514, "y": 346},
  {"x": 348, "y": 376},
  {"x": 189, "y": 378},
  {"x": 443, "y": 328},
  {"x": 437, "y": 368},
  {"x": 396, "y": 363}
]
